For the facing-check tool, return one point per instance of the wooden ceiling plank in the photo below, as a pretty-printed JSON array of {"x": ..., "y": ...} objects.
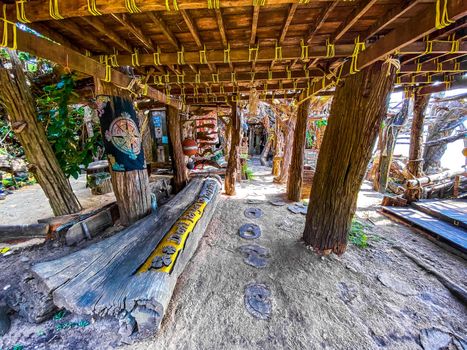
[
  {"x": 254, "y": 24},
  {"x": 220, "y": 24},
  {"x": 97, "y": 24},
  {"x": 159, "y": 22},
  {"x": 77, "y": 31},
  {"x": 126, "y": 23}
]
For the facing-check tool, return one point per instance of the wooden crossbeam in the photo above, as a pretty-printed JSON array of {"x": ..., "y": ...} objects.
[
  {"x": 260, "y": 87},
  {"x": 54, "y": 35},
  {"x": 220, "y": 25},
  {"x": 159, "y": 22},
  {"x": 76, "y": 30},
  {"x": 267, "y": 54},
  {"x": 128, "y": 25},
  {"x": 320, "y": 21},
  {"x": 74, "y": 60},
  {"x": 254, "y": 24},
  {"x": 412, "y": 30},
  {"x": 39, "y": 10}
]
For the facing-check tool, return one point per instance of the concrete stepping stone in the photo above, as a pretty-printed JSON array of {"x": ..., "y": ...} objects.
[
  {"x": 249, "y": 231},
  {"x": 253, "y": 213},
  {"x": 255, "y": 255},
  {"x": 278, "y": 202},
  {"x": 298, "y": 208},
  {"x": 254, "y": 201},
  {"x": 258, "y": 300}
]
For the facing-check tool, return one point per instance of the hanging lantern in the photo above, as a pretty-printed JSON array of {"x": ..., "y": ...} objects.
[{"x": 190, "y": 147}]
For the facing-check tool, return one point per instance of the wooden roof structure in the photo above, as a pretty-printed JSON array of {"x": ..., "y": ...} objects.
[{"x": 214, "y": 50}]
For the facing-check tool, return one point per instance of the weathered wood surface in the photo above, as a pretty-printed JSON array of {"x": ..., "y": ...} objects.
[
  {"x": 178, "y": 158},
  {"x": 233, "y": 165},
  {"x": 91, "y": 226},
  {"x": 102, "y": 280},
  {"x": 453, "y": 211},
  {"x": 12, "y": 232},
  {"x": 425, "y": 180},
  {"x": 357, "y": 110}
]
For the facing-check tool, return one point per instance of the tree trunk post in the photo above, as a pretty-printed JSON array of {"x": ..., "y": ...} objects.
[
  {"x": 415, "y": 163},
  {"x": 295, "y": 179},
  {"x": 234, "y": 155},
  {"x": 287, "y": 154},
  {"x": 178, "y": 158},
  {"x": 16, "y": 96},
  {"x": 387, "y": 148},
  {"x": 358, "y": 108},
  {"x": 123, "y": 144}
]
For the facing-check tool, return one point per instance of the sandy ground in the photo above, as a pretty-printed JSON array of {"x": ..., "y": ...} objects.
[
  {"x": 28, "y": 204},
  {"x": 373, "y": 298}
]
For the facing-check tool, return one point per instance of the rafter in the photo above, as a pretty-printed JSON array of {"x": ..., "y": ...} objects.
[
  {"x": 74, "y": 29},
  {"x": 159, "y": 22},
  {"x": 128, "y": 25},
  {"x": 220, "y": 25},
  {"x": 97, "y": 24}
]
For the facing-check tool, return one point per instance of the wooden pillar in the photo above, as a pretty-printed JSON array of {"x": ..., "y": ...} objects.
[
  {"x": 357, "y": 111},
  {"x": 388, "y": 143},
  {"x": 234, "y": 155},
  {"x": 178, "y": 158},
  {"x": 287, "y": 154},
  {"x": 122, "y": 141},
  {"x": 415, "y": 163},
  {"x": 16, "y": 96},
  {"x": 294, "y": 182}
]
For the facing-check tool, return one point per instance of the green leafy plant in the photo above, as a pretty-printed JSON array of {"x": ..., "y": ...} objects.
[
  {"x": 247, "y": 171},
  {"x": 65, "y": 127},
  {"x": 357, "y": 234}
]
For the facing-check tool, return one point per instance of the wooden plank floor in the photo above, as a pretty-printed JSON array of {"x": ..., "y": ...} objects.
[
  {"x": 453, "y": 235},
  {"x": 453, "y": 211}
]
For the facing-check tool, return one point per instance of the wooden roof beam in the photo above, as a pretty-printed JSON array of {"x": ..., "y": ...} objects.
[
  {"x": 97, "y": 24},
  {"x": 220, "y": 24},
  {"x": 126, "y": 23},
  {"x": 54, "y": 35},
  {"x": 254, "y": 24},
  {"x": 285, "y": 26},
  {"x": 76, "y": 30},
  {"x": 159, "y": 22},
  {"x": 66, "y": 57}
]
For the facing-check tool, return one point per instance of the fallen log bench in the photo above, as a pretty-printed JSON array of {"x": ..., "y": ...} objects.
[{"x": 132, "y": 275}]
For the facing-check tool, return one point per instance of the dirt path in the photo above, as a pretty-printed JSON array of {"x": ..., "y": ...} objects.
[
  {"x": 373, "y": 298},
  {"x": 28, "y": 204}
]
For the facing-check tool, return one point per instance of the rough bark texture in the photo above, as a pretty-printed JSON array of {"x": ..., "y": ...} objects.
[
  {"x": 358, "y": 108},
  {"x": 388, "y": 143},
  {"x": 287, "y": 154},
  {"x": 178, "y": 158},
  {"x": 415, "y": 162},
  {"x": 146, "y": 138},
  {"x": 267, "y": 148},
  {"x": 295, "y": 180},
  {"x": 415, "y": 166},
  {"x": 16, "y": 96},
  {"x": 131, "y": 188},
  {"x": 234, "y": 155}
]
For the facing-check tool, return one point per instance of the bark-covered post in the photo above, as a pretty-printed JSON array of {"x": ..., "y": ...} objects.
[
  {"x": 390, "y": 134},
  {"x": 287, "y": 154},
  {"x": 358, "y": 108},
  {"x": 295, "y": 179},
  {"x": 16, "y": 96},
  {"x": 234, "y": 155},
  {"x": 122, "y": 141},
  {"x": 415, "y": 163},
  {"x": 178, "y": 158}
]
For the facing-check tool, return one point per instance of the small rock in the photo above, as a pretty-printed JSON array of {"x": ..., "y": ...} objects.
[{"x": 351, "y": 268}]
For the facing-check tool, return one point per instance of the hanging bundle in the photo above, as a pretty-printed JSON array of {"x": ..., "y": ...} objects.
[
  {"x": 181, "y": 56},
  {"x": 214, "y": 4},
  {"x": 92, "y": 9},
  {"x": 442, "y": 17},
  {"x": 202, "y": 56},
  {"x": 253, "y": 53},
  {"x": 359, "y": 47},
  {"x": 392, "y": 62},
  {"x": 304, "y": 51},
  {"x": 53, "y": 10},
  {"x": 330, "y": 49},
  {"x": 20, "y": 13},
  {"x": 227, "y": 54},
  {"x": 135, "y": 58},
  {"x": 5, "y": 39}
]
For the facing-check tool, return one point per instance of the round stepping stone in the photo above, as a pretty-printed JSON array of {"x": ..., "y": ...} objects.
[
  {"x": 249, "y": 231},
  {"x": 255, "y": 255},
  {"x": 258, "y": 301},
  {"x": 253, "y": 213},
  {"x": 298, "y": 209},
  {"x": 278, "y": 203},
  {"x": 254, "y": 201}
]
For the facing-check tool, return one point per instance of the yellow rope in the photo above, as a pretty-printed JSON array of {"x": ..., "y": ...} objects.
[
  {"x": 215, "y": 77},
  {"x": 269, "y": 74},
  {"x": 289, "y": 72},
  {"x": 214, "y": 4},
  {"x": 455, "y": 44},
  {"x": 227, "y": 54},
  {"x": 428, "y": 77},
  {"x": 307, "y": 72},
  {"x": 135, "y": 58},
  {"x": 330, "y": 49},
  {"x": 277, "y": 52},
  {"x": 419, "y": 66},
  {"x": 391, "y": 61},
  {"x": 108, "y": 70},
  {"x": 442, "y": 17},
  {"x": 53, "y": 9},
  {"x": 221, "y": 89},
  {"x": 259, "y": 2},
  {"x": 202, "y": 56},
  {"x": 429, "y": 46},
  {"x": 181, "y": 78},
  {"x": 195, "y": 91},
  {"x": 439, "y": 66},
  {"x": 113, "y": 59},
  {"x": 92, "y": 9},
  {"x": 359, "y": 46},
  {"x": 398, "y": 80},
  {"x": 167, "y": 78},
  {"x": 157, "y": 57},
  {"x": 20, "y": 13},
  {"x": 198, "y": 78},
  {"x": 87, "y": 53},
  {"x": 233, "y": 78},
  {"x": 250, "y": 53},
  {"x": 131, "y": 6},
  {"x": 5, "y": 40},
  {"x": 252, "y": 74},
  {"x": 265, "y": 87},
  {"x": 158, "y": 80},
  {"x": 304, "y": 51},
  {"x": 167, "y": 5},
  {"x": 457, "y": 66},
  {"x": 295, "y": 83},
  {"x": 181, "y": 56}
]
